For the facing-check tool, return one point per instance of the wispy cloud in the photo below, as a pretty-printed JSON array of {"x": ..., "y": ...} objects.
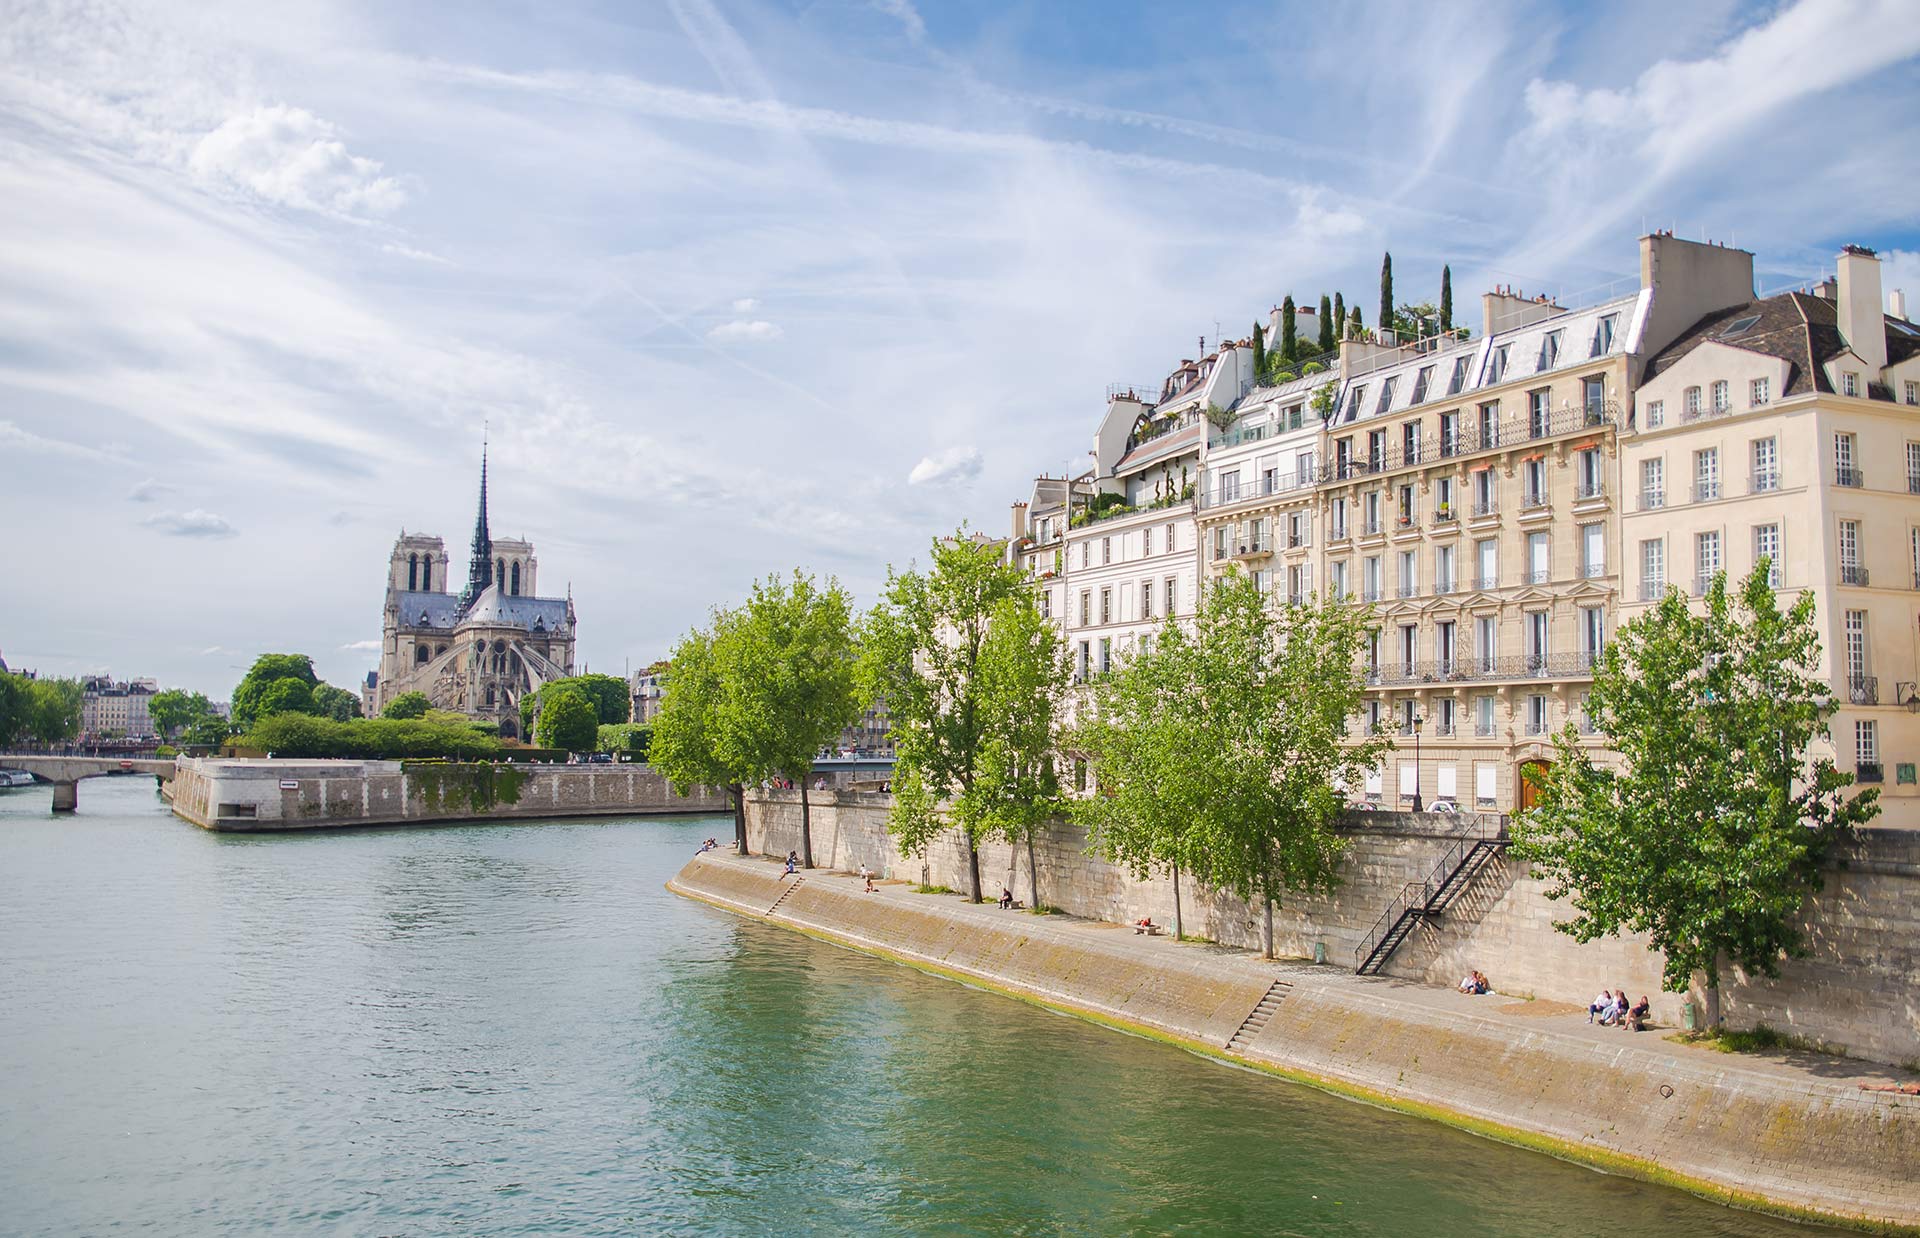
[
  {"x": 195, "y": 523},
  {"x": 362, "y": 646},
  {"x": 951, "y": 466},
  {"x": 745, "y": 305},
  {"x": 150, "y": 491},
  {"x": 14, "y": 437},
  {"x": 742, "y": 331},
  {"x": 289, "y": 156}
]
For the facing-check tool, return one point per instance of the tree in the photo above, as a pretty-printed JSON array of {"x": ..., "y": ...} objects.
[
  {"x": 922, "y": 650},
  {"x": 1708, "y": 837},
  {"x": 407, "y": 705},
  {"x": 45, "y": 711},
  {"x": 1326, "y": 324},
  {"x": 336, "y": 703},
  {"x": 1386, "y": 292},
  {"x": 567, "y": 721},
  {"x": 786, "y": 666},
  {"x": 1339, "y": 319},
  {"x": 684, "y": 747},
  {"x": 1355, "y": 327},
  {"x": 267, "y": 670},
  {"x": 286, "y": 696},
  {"x": 610, "y": 696},
  {"x": 1240, "y": 724},
  {"x": 174, "y": 710},
  {"x": 627, "y": 737},
  {"x": 1259, "y": 350},
  {"x": 1446, "y": 299},
  {"x": 1289, "y": 333}
]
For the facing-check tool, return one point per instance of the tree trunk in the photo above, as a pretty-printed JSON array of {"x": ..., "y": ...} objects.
[
  {"x": 1033, "y": 873},
  {"x": 739, "y": 794},
  {"x": 1179, "y": 931},
  {"x": 806, "y": 826},
  {"x": 973, "y": 869},
  {"x": 1266, "y": 907}
]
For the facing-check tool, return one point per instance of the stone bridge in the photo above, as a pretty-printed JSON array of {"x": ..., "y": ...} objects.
[{"x": 65, "y": 773}]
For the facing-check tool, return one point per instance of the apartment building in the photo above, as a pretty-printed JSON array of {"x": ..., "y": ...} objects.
[
  {"x": 1788, "y": 428},
  {"x": 1256, "y": 502},
  {"x": 110, "y": 710}
]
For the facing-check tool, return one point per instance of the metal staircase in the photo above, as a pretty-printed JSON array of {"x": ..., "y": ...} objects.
[
  {"x": 1426, "y": 900},
  {"x": 1257, "y": 1019},
  {"x": 786, "y": 893}
]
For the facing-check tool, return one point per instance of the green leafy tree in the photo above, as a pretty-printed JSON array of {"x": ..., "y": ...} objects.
[
  {"x": 1259, "y": 349},
  {"x": 267, "y": 670},
  {"x": 1242, "y": 725},
  {"x": 336, "y": 703},
  {"x": 610, "y": 695},
  {"x": 1289, "y": 333},
  {"x": 628, "y": 737},
  {"x": 1356, "y": 327},
  {"x": 174, "y": 710},
  {"x": 1339, "y": 320},
  {"x": 1446, "y": 299},
  {"x": 287, "y": 696},
  {"x": 568, "y": 721},
  {"x": 45, "y": 711},
  {"x": 788, "y": 686},
  {"x": 1386, "y": 291},
  {"x": 685, "y": 745},
  {"x": 407, "y": 705},
  {"x": 1327, "y": 341},
  {"x": 438, "y": 734},
  {"x": 925, "y": 649},
  {"x": 1709, "y": 834}
]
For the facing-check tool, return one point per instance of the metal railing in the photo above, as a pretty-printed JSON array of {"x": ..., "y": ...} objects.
[
  {"x": 1489, "y": 506},
  {"x": 1445, "y": 515},
  {"x": 1468, "y": 668},
  {"x": 1652, "y": 588},
  {"x": 1853, "y": 573},
  {"x": 1370, "y": 526},
  {"x": 1863, "y": 689},
  {"x": 1486, "y": 582},
  {"x": 1764, "y": 482},
  {"x": 1535, "y": 576},
  {"x": 1593, "y": 571},
  {"x": 1843, "y": 476},
  {"x": 1651, "y": 499},
  {"x": 1458, "y": 865},
  {"x": 1407, "y": 591},
  {"x": 1533, "y": 499},
  {"x": 1868, "y": 771},
  {"x": 1592, "y": 488},
  {"x": 1467, "y": 440},
  {"x": 1705, "y": 491}
]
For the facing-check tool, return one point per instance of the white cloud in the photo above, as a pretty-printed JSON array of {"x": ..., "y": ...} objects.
[
  {"x": 951, "y": 466},
  {"x": 755, "y": 331},
  {"x": 149, "y": 491},
  {"x": 290, "y": 156},
  {"x": 195, "y": 523},
  {"x": 418, "y": 255},
  {"x": 14, "y": 437},
  {"x": 362, "y": 646},
  {"x": 745, "y": 305}
]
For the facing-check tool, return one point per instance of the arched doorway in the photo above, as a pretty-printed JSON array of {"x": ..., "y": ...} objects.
[{"x": 1526, "y": 775}]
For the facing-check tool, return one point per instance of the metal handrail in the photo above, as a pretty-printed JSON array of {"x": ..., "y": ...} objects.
[{"x": 1430, "y": 897}]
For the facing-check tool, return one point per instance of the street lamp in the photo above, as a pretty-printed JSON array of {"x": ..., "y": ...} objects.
[{"x": 1417, "y": 720}]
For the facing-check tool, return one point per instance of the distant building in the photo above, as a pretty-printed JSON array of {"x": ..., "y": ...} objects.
[
  {"x": 110, "y": 710},
  {"x": 479, "y": 652},
  {"x": 648, "y": 688}
]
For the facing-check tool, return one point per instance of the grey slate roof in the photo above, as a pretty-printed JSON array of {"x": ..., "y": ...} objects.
[
  {"x": 1802, "y": 330},
  {"x": 441, "y": 611}
]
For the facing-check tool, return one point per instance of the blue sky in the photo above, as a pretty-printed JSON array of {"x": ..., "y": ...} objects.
[{"x": 743, "y": 286}]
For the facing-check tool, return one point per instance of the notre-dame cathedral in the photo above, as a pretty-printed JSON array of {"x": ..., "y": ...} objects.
[{"x": 477, "y": 652}]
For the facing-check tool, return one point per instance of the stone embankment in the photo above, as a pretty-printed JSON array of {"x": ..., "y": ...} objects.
[
  {"x": 1791, "y": 1133},
  {"x": 235, "y": 794}
]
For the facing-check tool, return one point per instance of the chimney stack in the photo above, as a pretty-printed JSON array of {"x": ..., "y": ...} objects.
[
  {"x": 1897, "y": 303},
  {"x": 1857, "y": 299},
  {"x": 1019, "y": 521}
]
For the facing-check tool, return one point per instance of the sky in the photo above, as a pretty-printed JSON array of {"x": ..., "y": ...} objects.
[{"x": 735, "y": 288}]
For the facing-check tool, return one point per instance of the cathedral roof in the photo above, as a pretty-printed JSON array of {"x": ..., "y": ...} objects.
[
  {"x": 495, "y": 609},
  {"x": 427, "y": 610}
]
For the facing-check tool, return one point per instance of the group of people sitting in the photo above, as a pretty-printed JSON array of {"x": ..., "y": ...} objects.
[
  {"x": 1475, "y": 984},
  {"x": 1610, "y": 1009}
]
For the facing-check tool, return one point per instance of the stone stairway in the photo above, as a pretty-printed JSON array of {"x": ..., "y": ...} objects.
[{"x": 1257, "y": 1019}]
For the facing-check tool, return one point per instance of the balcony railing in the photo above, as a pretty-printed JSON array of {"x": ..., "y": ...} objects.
[
  {"x": 1466, "y": 440},
  {"x": 1405, "y": 522},
  {"x": 1482, "y": 728},
  {"x": 1592, "y": 488},
  {"x": 1445, "y": 515},
  {"x": 1296, "y": 540},
  {"x": 1868, "y": 771},
  {"x": 1339, "y": 533},
  {"x": 1536, "y": 726},
  {"x": 1407, "y": 591},
  {"x": 1863, "y": 689},
  {"x": 1843, "y": 476},
  {"x": 1652, "y": 588},
  {"x": 1535, "y": 576},
  {"x": 1853, "y": 574},
  {"x": 1592, "y": 571},
  {"x": 1370, "y": 594},
  {"x": 1486, "y": 582},
  {"x": 1533, "y": 500},
  {"x": 1764, "y": 482},
  {"x": 1705, "y": 491},
  {"x": 1370, "y": 527},
  {"x": 1444, "y": 730},
  {"x": 1488, "y": 506},
  {"x": 1651, "y": 499},
  {"x": 1483, "y": 669},
  {"x": 1443, "y": 586}
]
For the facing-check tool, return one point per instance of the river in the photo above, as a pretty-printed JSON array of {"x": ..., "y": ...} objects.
[{"x": 513, "y": 1029}]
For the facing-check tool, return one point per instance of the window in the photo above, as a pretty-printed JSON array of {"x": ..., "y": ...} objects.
[
  {"x": 1490, "y": 424},
  {"x": 1086, "y": 608},
  {"x": 1086, "y": 554},
  {"x": 1370, "y": 579},
  {"x": 1588, "y": 462},
  {"x": 1603, "y": 335},
  {"x": 1533, "y": 474},
  {"x": 1353, "y": 401},
  {"x": 1483, "y": 727},
  {"x": 1593, "y": 397},
  {"x": 1653, "y": 483},
  {"x": 1421, "y": 381},
  {"x": 1913, "y": 392},
  {"x": 1146, "y": 542},
  {"x": 1656, "y": 414},
  {"x": 1722, "y": 397},
  {"x": 1593, "y": 634},
  {"x": 1403, "y": 508},
  {"x": 1766, "y": 464},
  {"x": 1106, "y": 545},
  {"x": 1706, "y": 474},
  {"x": 1409, "y": 770},
  {"x": 1459, "y": 378},
  {"x": 1106, "y": 654},
  {"x": 1537, "y": 551},
  {"x": 1443, "y": 570},
  {"x": 1844, "y": 471},
  {"x": 1343, "y": 457},
  {"x": 1497, "y": 365},
  {"x": 1487, "y": 555},
  {"x": 1706, "y": 559},
  {"x": 1483, "y": 492},
  {"x": 1443, "y": 498},
  {"x": 1376, "y": 450},
  {"x": 1409, "y": 575},
  {"x": 1386, "y": 395},
  {"x": 1913, "y": 468},
  {"x": 1486, "y": 643},
  {"x": 1146, "y": 599},
  {"x": 1106, "y": 605},
  {"x": 1539, "y": 413},
  {"x": 1690, "y": 404},
  {"x": 1757, "y": 393},
  {"x": 1444, "y": 648},
  {"x": 1337, "y": 579},
  {"x": 1083, "y": 662},
  {"x": 1484, "y": 773},
  {"x": 1370, "y": 522},
  {"x": 1850, "y": 383},
  {"x": 1338, "y": 517},
  {"x": 1409, "y": 650},
  {"x": 1550, "y": 350},
  {"x": 1913, "y": 554},
  {"x": 1537, "y": 714},
  {"x": 1169, "y": 605},
  {"x": 1536, "y": 629},
  {"x": 1653, "y": 569},
  {"x": 1410, "y": 443},
  {"x": 1449, "y": 433},
  {"x": 1851, "y": 573},
  {"x": 1593, "y": 550},
  {"x": 1766, "y": 545},
  {"x": 1171, "y": 547},
  {"x": 1856, "y": 630},
  {"x": 1046, "y": 603},
  {"x": 1739, "y": 326},
  {"x": 1866, "y": 750}
]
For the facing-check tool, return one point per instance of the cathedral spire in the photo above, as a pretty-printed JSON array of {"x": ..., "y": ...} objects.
[{"x": 480, "y": 565}]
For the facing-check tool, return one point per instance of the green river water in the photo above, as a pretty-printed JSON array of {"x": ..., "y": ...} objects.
[{"x": 513, "y": 1029}]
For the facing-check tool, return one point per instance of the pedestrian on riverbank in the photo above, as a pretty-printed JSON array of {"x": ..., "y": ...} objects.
[{"x": 793, "y": 863}]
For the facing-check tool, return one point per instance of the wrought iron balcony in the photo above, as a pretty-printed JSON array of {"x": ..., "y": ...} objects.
[
  {"x": 1853, "y": 573},
  {"x": 1868, "y": 771},
  {"x": 1593, "y": 571},
  {"x": 1652, "y": 588},
  {"x": 1370, "y": 527},
  {"x": 1652, "y": 499},
  {"x": 1445, "y": 515},
  {"x": 1537, "y": 726},
  {"x": 1533, "y": 500},
  {"x": 1489, "y": 506},
  {"x": 1765, "y": 481},
  {"x": 1843, "y": 476},
  {"x": 1863, "y": 689},
  {"x": 1535, "y": 576},
  {"x": 1407, "y": 590},
  {"x": 1405, "y": 522},
  {"x": 1486, "y": 582},
  {"x": 1443, "y": 586},
  {"x": 1370, "y": 593},
  {"x": 1592, "y": 488},
  {"x": 1706, "y": 491}
]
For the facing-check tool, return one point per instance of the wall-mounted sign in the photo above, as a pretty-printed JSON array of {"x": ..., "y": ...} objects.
[{"x": 289, "y": 784}]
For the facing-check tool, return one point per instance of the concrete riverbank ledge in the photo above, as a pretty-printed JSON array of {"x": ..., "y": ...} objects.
[
  {"x": 1788, "y": 1132},
  {"x": 238, "y": 794}
]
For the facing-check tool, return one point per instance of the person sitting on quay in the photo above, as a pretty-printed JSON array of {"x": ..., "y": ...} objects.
[
  {"x": 1474, "y": 984},
  {"x": 871, "y": 888},
  {"x": 1613, "y": 1014},
  {"x": 1006, "y": 899},
  {"x": 1636, "y": 1019},
  {"x": 1600, "y": 1006}
]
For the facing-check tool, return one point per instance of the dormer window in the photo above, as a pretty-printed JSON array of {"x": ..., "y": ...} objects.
[
  {"x": 1850, "y": 383},
  {"x": 1459, "y": 378},
  {"x": 1386, "y": 395},
  {"x": 1550, "y": 350},
  {"x": 1497, "y": 364},
  {"x": 1603, "y": 335},
  {"x": 1421, "y": 382},
  {"x": 1353, "y": 402}
]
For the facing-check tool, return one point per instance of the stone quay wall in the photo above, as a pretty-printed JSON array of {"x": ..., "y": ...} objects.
[
  {"x": 1730, "y": 1131},
  {"x": 1858, "y": 991},
  {"x": 236, "y": 794}
]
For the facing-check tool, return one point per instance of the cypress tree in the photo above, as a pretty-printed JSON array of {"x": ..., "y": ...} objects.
[
  {"x": 1339, "y": 318},
  {"x": 1386, "y": 291},
  {"x": 1354, "y": 325},
  {"x": 1289, "y": 334},
  {"x": 1326, "y": 323},
  {"x": 1446, "y": 299},
  {"x": 1259, "y": 350}
]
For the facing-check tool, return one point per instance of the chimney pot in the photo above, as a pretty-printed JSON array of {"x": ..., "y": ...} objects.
[{"x": 1857, "y": 305}]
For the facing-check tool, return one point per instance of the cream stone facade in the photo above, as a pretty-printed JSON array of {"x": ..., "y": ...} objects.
[{"x": 479, "y": 652}]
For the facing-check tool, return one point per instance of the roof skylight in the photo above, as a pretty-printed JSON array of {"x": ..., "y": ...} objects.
[{"x": 1739, "y": 326}]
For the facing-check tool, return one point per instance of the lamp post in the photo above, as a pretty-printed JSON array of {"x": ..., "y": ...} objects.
[{"x": 1417, "y": 720}]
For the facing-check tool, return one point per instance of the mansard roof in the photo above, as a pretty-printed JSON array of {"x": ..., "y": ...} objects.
[{"x": 1802, "y": 330}]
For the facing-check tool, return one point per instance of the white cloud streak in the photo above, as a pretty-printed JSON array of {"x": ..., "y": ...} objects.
[
  {"x": 195, "y": 523},
  {"x": 948, "y": 467}
]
